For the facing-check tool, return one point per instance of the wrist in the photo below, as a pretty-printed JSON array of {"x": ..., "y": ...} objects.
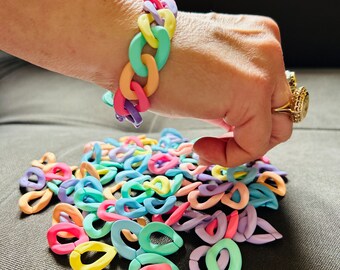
[
  {"x": 132, "y": 97},
  {"x": 119, "y": 31}
]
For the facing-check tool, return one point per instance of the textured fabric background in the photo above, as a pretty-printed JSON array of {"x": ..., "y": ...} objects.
[{"x": 42, "y": 111}]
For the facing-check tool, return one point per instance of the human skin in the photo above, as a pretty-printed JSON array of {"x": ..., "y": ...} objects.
[{"x": 224, "y": 69}]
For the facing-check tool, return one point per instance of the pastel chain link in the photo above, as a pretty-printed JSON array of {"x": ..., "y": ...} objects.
[
  {"x": 157, "y": 27},
  {"x": 128, "y": 186}
]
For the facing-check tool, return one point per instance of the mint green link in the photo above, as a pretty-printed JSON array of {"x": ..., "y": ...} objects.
[
  {"x": 150, "y": 258},
  {"x": 137, "y": 44},
  {"x": 110, "y": 164},
  {"x": 234, "y": 254},
  {"x": 93, "y": 232},
  {"x": 107, "y": 98},
  {"x": 161, "y": 249},
  {"x": 53, "y": 187},
  {"x": 108, "y": 176},
  {"x": 127, "y": 187},
  {"x": 176, "y": 184}
]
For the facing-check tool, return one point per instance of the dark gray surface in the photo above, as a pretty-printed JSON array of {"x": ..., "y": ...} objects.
[{"x": 42, "y": 111}]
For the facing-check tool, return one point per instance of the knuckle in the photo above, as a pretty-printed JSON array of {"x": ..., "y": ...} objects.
[
  {"x": 269, "y": 54},
  {"x": 273, "y": 27},
  {"x": 265, "y": 82},
  {"x": 213, "y": 16},
  {"x": 239, "y": 18},
  {"x": 269, "y": 25},
  {"x": 271, "y": 47}
]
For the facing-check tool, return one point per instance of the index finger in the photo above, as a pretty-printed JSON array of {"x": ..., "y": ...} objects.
[{"x": 251, "y": 140}]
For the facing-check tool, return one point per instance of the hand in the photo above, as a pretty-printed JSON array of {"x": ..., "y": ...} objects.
[
  {"x": 224, "y": 69},
  {"x": 228, "y": 70}
]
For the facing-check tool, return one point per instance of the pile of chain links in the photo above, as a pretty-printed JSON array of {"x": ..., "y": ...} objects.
[{"x": 129, "y": 186}]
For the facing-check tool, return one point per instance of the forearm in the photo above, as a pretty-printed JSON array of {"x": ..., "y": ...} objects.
[{"x": 76, "y": 38}]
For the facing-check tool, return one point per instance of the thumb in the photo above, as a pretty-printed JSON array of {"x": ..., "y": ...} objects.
[{"x": 211, "y": 150}]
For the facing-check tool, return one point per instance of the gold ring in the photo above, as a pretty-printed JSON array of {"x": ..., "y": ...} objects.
[{"x": 297, "y": 106}]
